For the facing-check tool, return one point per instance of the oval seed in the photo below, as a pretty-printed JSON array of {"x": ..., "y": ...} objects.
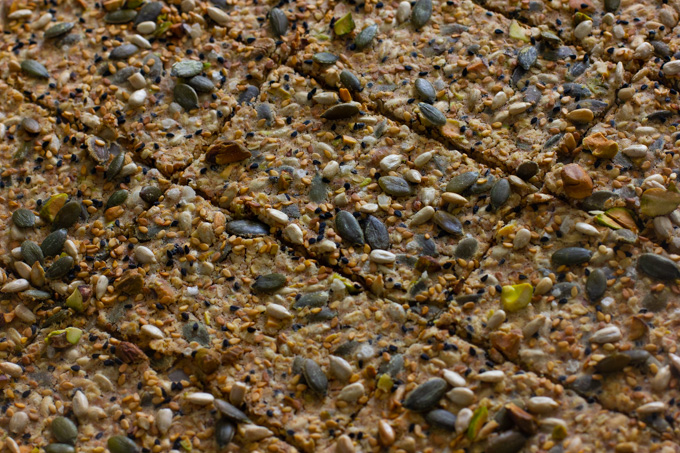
[
  {"x": 31, "y": 253},
  {"x": 53, "y": 244},
  {"x": 426, "y": 395},
  {"x": 150, "y": 194},
  {"x": 431, "y": 113},
  {"x": 507, "y": 442},
  {"x": 185, "y": 96},
  {"x": 23, "y": 218},
  {"x": 59, "y": 448},
  {"x": 123, "y": 52},
  {"x": 202, "y": 84},
  {"x": 186, "y": 68},
  {"x": 247, "y": 228},
  {"x": 269, "y": 283},
  {"x": 570, "y": 256},
  {"x": 325, "y": 58},
  {"x": 596, "y": 285},
  {"x": 315, "y": 377},
  {"x": 467, "y": 248},
  {"x": 611, "y": 5},
  {"x": 59, "y": 268},
  {"x": 350, "y": 81},
  {"x": 231, "y": 412},
  {"x": 527, "y": 57},
  {"x": 224, "y": 432},
  {"x": 365, "y": 37},
  {"x": 67, "y": 216},
  {"x": 120, "y": 16},
  {"x": 341, "y": 111},
  {"x": 658, "y": 267},
  {"x": 448, "y": 222},
  {"x": 35, "y": 69},
  {"x": 148, "y": 13},
  {"x": 117, "y": 198},
  {"x": 500, "y": 193},
  {"x": 395, "y": 186},
  {"x": 527, "y": 170},
  {"x": 376, "y": 233},
  {"x": 122, "y": 444},
  {"x": 421, "y": 13},
  {"x": 462, "y": 182},
  {"x": 278, "y": 21},
  {"x": 441, "y": 419},
  {"x": 425, "y": 91},
  {"x": 613, "y": 363},
  {"x": 58, "y": 30},
  {"x": 64, "y": 430},
  {"x": 348, "y": 228}
]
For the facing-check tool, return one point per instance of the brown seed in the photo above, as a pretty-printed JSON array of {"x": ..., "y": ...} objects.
[
  {"x": 577, "y": 183},
  {"x": 224, "y": 152}
]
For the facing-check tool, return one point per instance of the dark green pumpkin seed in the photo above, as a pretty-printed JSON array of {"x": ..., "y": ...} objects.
[
  {"x": 122, "y": 444},
  {"x": 202, "y": 84},
  {"x": 500, "y": 193},
  {"x": 123, "y": 52},
  {"x": 231, "y": 412},
  {"x": 121, "y": 16},
  {"x": 186, "y": 68},
  {"x": 224, "y": 432},
  {"x": 425, "y": 91},
  {"x": 67, "y": 216},
  {"x": 116, "y": 166},
  {"x": 23, "y": 218},
  {"x": 155, "y": 68},
  {"x": 507, "y": 442},
  {"x": 31, "y": 252},
  {"x": 325, "y": 58},
  {"x": 484, "y": 186},
  {"x": 59, "y": 268},
  {"x": 264, "y": 112},
  {"x": 527, "y": 170},
  {"x": 117, "y": 198},
  {"x": 527, "y": 57},
  {"x": 348, "y": 228},
  {"x": 421, "y": 13},
  {"x": 59, "y": 448},
  {"x": 312, "y": 300},
  {"x": 350, "y": 81},
  {"x": 269, "y": 284},
  {"x": 658, "y": 267},
  {"x": 247, "y": 228},
  {"x": 150, "y": 194},
  {"x": 448, "y": 222},
  {"x": 441, "y": 419},
  {"x": 596, "y": 284},
  {"x": 432, "y": 114},
  {"x": 148, "y": 13},
  {"x": 341, "y": 111},
  {"x": 315, "y": 377},
  {"x": 196, "y": 331},
  {"x": 467, "y": 248},
  {"x": 365, "y": 37},
  {"x": 611, "y": 5},
  {"x": 613, "y": 363},
  {"x": 571, "y": 256},
  {"x": 185, "y": 96},
  {"x": 323, "y": 315},
  {"x": 376, "y": 233},
  {"x": 278, "y": 21},
  {"x": 460, "y": 183},
  {"x": 64, "y": 430},
  {"x": 394, "y": 366},
  {"x": 58, "y": 30},
  {"x": 35, "y": 69},
  {"x": 247, "y": 95},
  {"x": 395, "y": 186},
  {"x": 426, "y": 395},
  {"x": 53, "y": 244}
]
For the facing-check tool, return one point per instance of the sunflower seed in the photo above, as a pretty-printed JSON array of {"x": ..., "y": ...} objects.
[
  {"x": 542, "y": 404},
  {"x": 454, "y": 379},
  {"x": 35, "y": 69},
  {"x": 58, "y": 30},
  {"x": 117, "y": 198},
  {"x": 352, "y": 392},
  {"x": 608, "y": 334},
  {"x": 491, "y": 376},
  {"x": 268, "y": 284},
  {"x": 325, "y": 58},
  {"x": 123, "y": 52},
  {"x": 507, "y": 442},
  {"x": 67, "y": 216},
  {"x": 185, "y": 96},
  {"x": 122, "y": 444},
  {"x": 231, "y": 412},
  {"x": 98, "y": 150},
  {"x": 421, "y": 13},
  {"x": 315, "y": 377},
  {"x": 12, "y": 369},
  {"x": 23, "y": 218},
  {"x": 432, "y": 114},
  {"x": 612, "y": 363},
  {"x": 186, "y": 68},
  {"x": 350, "y": 81},
  {"x": 571, "y": 256},
  {"x": 500, "y": 193},
  {"x": 340, "y": 368},
  {"x": 30, "y": 125},
  {"x": 53, "y": 244},
  {"x": 527, "y": 57},
  {"x": 425, "y": 91},
  {"x": 202, "y": 84},
  {"x": 365, "y": 37},
  {"x": 278, "y": 21},
  {"x": 376, "y": 233},
  {"x": 658, "y": 267},
  {"x": 395, "y": 186},
  {"x": 163, "y": 420},
  {"x": 148, "y": 13},
  {"x": 596, "y": 285},
  {"x": 59, "y": 268},
  {"x": 16, "y": 286},
  {"x": 448, "y": 222},
  {"x": 31, "y": 253},
  {"x": 348, "y": 228},
  {"x": 64, "y": 430},
  {"x": 219, "y": 16},
  {"x": 247, "y": 228},
  {"x": 341, "y": 111},
  {"x": 426, "y": 395},
  {"x": 224, "y": 432},
  {"x": 441, "y": 419},
  {"x": 661, "y": 379},
  {"x": 382, "y": 257}
]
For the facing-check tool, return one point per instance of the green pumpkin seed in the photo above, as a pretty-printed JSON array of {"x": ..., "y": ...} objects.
[
  {"x": 120, "y": 16},
  {"x": 59, "y": 448},
  {"x": 278, "y": 21},
  {"x": 67, "y": 216},
  {"x": 149, "y": 12},
  {"x": 150, "y": 194},
  {"x": 394, "y": 366},
  {"x": 115, "y": 166},
  {"x": 527, "y": 57},
  {"x": 613, "y": 363},
  {"x": 425, "y": 91},
  {"x": 348, "y": 228},
  {"x": 323, "y": 315},
  {"x": 432, "y": 114},
  {"x": 571, "y": 256},
  {"x": 186, "y": 68},
  {"x": 269, "y": 284},
  {"x": 202, "y": 84},
  {"x": 312, "y": 300},
  {"x": 35, "y": 69},
  {"x": 500, "y": 193},
  {"x": 185, "y": 96},
  {"x": 482, "y": 187},
  {"x": 460, "y": 183},
  {"x": 31, "y": 252},
  {"x": 64, "y": 430},
  {"x": 598, "y": 200},
  {"x": 448, "y": 222},
  {"x": 341, "y": 111},
  {"x": 23, "y": 218},
  {"x": 247, "y": 228},
  {"x": 350, "y": 81},
  {"x": 344, "y": 25},
  {"x": 421, "y": 13},
  {"x": 325, "y": 58},
  {"x": 441, "y": 418},
  {"x": 196, "y": 332},
  {"x": 426, "y": 395},
  {"x": 365, "y": 37},
  {"x": 59, "y": 268},
  {"x": 123, "y": 52},
  {"x": 117, "y": 198},
  {"x": 53, "y": 244},
  {"x": 231, "y": 412},
  {"x": 58, "y": 30},
  {"x": 507, "y": 442},
  {"x": 395, "y": 186},
  {"x": 611, "y": 5},
  {"x": 658, "y": 267},
  {"x": 224, "y": 432},
  {"x": 315, "y": 377},
  {"x": 596, "y": 284},
  {"x": 467, "y": 248},
  {"x": 527, "y": 170},
  {"x": 376, "y": 233},
  {"x": 122, "y": 444}
]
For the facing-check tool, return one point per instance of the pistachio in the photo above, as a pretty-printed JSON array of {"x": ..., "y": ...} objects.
[{"x": 657, "y": 202}]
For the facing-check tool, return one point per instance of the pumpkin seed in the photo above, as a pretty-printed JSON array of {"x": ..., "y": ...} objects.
[
  {"x": 59, "y": 448},
  {"x": 312, "y": 300},
  {"x": 596, "y": 284},
  {"x": 325, "y": 58},
  {"x": 155, "y": 65},
  {"x": 251, "y": 92},
  {"x": 611, "y": 5},
  {"x": 348, "y": 228},
  {"x": 122, "y": 444},
  {"x": 426, "y": 395},
  {"x": 99, "y": 152},
  {"x": 121, "y": 16},
  {"x": 394, "y": 366},
  {"x": 318, "y": 190},
  {"x": 58, "y": 30},
  {"x": 344, "y": 25},
  {"x": 231, "y": 412},
  {"x": 186, "y": 68},
  {"x": 571, "y": 256},
  {"x": 341, "y": 111},
  {"x": 484, "y": 186},
  {"x": 527, "y": 170},
  {"x": 613, "y": 363},
  {"x": 149, "y": 12},
  {"x": 269, "y": 284},
  {"x": 395, "y": 186},
  {"x": 35, "y": 69},
  {"x": 323, "y": 315},
  {"x": 278, "y": 21},
  {"x": 376, "y": 233},
  {"x": 441, "y": 419},
  {"x": 264, "y": 112},
  {"x": 117, "y": 198},
  {"x": 53, "y": 244},
  {"x": 467, "y": 248},
  {"x": 507, "y": 442},
  {"x": 67, "y": 216},
  {"x": 365, "y": 37},
  {"x": 123, "y": 52},
  {"x": 431, "y": 113},
  {"x": 350, "y": 81},
  {"x": 115, "y": 166},
  {"x": 448, "y": 222},
  {"x": 196, "y": 331},
  {"x": 315, "y": 377},
  {"x": 185, "y": 96},
  {"x": 150, "y": 194},
  {"x": 59, "y": 268},
  {"x": 224, "y": 432},
  {"x": 500, "y": 193},
  {"x": 421, "y": 13},
  {"x": 247, "y": 228},
  {"x": 598, "y": 200},
  {"x": 527, "y": 56},
  {"x": 462, "y": 182},
  {"x": 425, "y": 91},
  {"x": 64, "y": 430},
  {"x": 31, "y": 253},
  {"x": 23, "y": 218},
  {"x": 202, "y": 84},
  {"x": 658, "y": 267}
]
